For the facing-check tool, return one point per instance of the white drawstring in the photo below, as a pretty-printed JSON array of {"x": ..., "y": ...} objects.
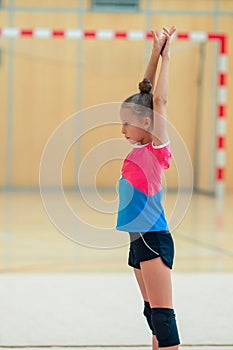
[{"x": 147, "y": 244}]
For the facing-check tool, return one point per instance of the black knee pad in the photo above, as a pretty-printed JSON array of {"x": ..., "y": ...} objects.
[
  {"x": 147, "y": 314},
  {"x": 164, "y": 323}
]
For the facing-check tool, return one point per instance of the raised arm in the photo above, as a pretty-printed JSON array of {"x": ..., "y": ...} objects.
[
  {"x": 158, "y": 43},
  {"x": 152, "y": 65},
  {"x": 160, "y": 135}
]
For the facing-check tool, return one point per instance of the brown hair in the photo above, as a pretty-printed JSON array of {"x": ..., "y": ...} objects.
[{"x": 142, "y": 102}]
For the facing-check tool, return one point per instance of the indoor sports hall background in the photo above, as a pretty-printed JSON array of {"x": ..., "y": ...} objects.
[{"x": 64, "y": 58}]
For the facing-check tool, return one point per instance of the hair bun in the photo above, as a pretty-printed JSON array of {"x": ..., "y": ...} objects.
[{"x": 145, "y": 86}]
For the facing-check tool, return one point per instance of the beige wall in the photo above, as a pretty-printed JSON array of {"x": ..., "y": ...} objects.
[
  {"x": 52, "y": 78},
  {"x": 3, "y": 102}
]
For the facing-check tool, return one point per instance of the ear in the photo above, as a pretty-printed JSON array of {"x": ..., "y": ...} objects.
[{"x": 147, "y": 123}]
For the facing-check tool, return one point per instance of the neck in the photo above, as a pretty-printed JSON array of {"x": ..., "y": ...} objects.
[{"x": 146, "y": 139}]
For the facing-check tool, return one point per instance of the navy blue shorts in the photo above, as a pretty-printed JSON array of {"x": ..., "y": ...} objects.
[{"x": 150, "y": 245}]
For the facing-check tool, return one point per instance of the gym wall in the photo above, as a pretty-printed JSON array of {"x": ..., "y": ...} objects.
[{"x": 45, "y": 81}]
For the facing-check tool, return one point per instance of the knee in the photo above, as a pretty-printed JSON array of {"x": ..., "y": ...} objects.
[
  {"x": 147, "y": 314},
  {"x": 164, "y": 325}
]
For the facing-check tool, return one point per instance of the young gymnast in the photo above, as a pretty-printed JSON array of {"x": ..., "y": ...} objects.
[{"x": 141, "y": 211}]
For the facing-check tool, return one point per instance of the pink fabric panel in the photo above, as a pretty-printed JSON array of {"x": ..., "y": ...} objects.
[{"x": 144, "y": 166}]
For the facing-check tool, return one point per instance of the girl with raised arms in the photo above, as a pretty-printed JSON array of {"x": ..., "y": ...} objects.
[{"x": 141, "y": 212}]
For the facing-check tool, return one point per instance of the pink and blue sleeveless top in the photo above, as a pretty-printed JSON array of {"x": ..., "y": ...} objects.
[{"x": 140, "y": 189}]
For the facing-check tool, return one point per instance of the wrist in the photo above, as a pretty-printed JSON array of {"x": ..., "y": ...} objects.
[{"x": 166, "y": 58}]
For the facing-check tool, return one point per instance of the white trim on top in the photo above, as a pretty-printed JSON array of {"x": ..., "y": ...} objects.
[
  {"x": 161, "y": 146},
  {"x": 139, "y": 145}
]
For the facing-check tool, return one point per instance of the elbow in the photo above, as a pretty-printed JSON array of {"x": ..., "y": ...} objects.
[{"x": 159, "y": 101}]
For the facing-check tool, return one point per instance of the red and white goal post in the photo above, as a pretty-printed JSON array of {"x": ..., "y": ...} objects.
[{"x": 221, "y": 39}]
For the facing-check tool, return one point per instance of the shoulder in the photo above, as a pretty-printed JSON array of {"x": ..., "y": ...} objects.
[
  {"x": 162, "y": 153},
  {"x": 165, "y": 147}
]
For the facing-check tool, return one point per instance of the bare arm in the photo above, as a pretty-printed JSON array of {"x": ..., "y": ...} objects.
[
  {"x": 161, "y": 91},
  {"x": 157, "y": 48},
  {"x": 160, "y": 98},
  {"x": 151, "y": 69}
]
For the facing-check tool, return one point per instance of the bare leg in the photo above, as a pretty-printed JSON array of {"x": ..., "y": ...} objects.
[
  {"x": 140, "y": 281},
  {"x": 157, "y": 282}
]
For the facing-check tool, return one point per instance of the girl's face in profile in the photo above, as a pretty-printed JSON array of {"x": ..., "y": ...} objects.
[{"x": 135, "y": 128}]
